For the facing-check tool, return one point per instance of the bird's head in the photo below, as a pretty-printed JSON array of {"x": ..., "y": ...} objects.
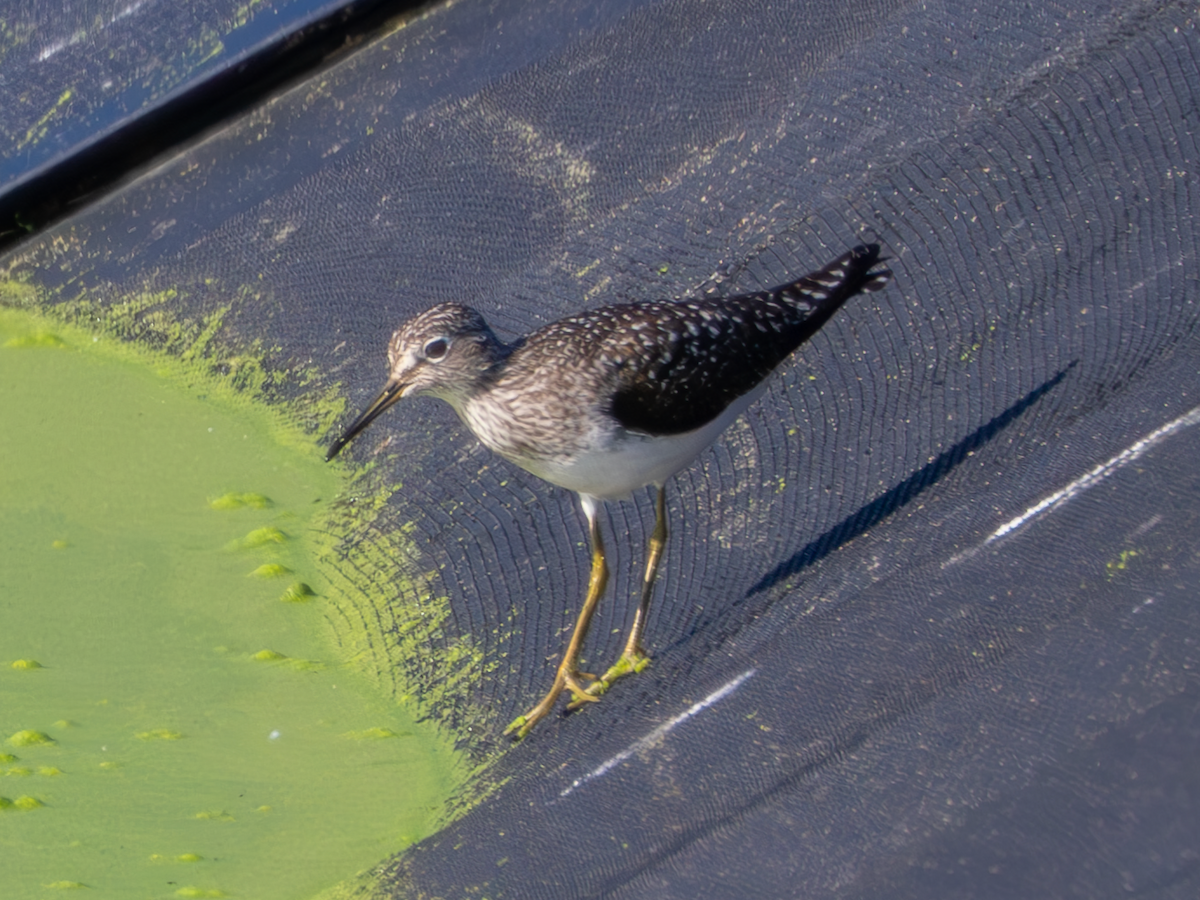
[{"x": 442, "y": 352}]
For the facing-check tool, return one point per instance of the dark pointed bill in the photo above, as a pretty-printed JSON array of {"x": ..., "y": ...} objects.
[{"x": 392, "y": 392}]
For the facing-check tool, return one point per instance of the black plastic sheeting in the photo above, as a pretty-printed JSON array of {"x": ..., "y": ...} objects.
[
  {"x": 92, "y": 90},
  {"x": 927, "y": 623}
]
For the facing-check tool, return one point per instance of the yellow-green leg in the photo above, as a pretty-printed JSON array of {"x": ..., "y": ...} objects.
[
  {"x": 634, "y": 657},
  {"x": 568, "y": 675}
]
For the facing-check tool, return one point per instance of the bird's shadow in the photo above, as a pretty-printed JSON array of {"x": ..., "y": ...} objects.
[{"x": 877, "y": 510}]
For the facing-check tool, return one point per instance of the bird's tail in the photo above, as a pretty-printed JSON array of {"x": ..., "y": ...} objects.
[{"x": 851, "y": 273}]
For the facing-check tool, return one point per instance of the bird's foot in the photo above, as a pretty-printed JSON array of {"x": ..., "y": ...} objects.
[
  {"x": 628, "y": 664},
  {"x": 563, "y": 681}
]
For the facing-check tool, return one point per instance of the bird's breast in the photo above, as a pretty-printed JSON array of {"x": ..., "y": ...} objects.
[{"x": 615, "y": 462}]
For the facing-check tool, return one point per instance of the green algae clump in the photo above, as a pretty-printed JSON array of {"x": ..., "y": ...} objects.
[
  {"x": 65, "y": 885},
  {"x": 50, "y": 771},
  {"x": 21, "y": 803},
  {"x": 234, "y": 500},
  {"x": 259, "y": 537},
  {"x": 159, "y": 734},
  {"x": 7, "y": 758},
  {"x": 298, "y": 593},
  {"x": 186, "y": 857},
  {"x": 215, "y": 815},
  {"x": 302, "y": 665},
  {"x": 30, "y": 738},
  {"x": 199, "y": 892},
  {"x": 36, "y": 339},
  {"x": 306, "y": 665},
  {"x": 372, "y": 734},
  {"x": 270, "y": 570},
  {"x": 26, "y": 664}
]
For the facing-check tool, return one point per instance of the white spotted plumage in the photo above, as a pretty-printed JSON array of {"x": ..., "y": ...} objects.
[{"x": 607, "y": 400}]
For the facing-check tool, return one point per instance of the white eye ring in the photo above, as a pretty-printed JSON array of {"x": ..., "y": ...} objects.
[{"x": 436, "y": 349}]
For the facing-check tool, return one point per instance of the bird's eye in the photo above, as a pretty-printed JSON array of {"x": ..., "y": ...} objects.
[{"x": 436, "y": 349}]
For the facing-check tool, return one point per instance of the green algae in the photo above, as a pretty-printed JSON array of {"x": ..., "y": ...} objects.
[
  {"x": 372, "y": 734},
  {"x": 41, "y": 127},
  {"x": 299, "y": 592},
  {"x": 383, "y": 611},
  {"x": 160, "y": 620},
  {"x": 259, "y": 537},
  {"x": 234, "y": 500},
  {"x": 391, "y": 635},
  {"x": 215, "y": 815},
  {"x": 27, "y": 737},
  {"x": 26, "y": 664},
  {"x": 300, "y": 665},
  {"x": 271, "y": 570},
  {"x": 144, "y": 327},
  {"x": 36, "y": 339},
  {"x": 1116, "y": 566},
  {"x": 159, "y": 734},
  {"x": 169, "y": 859}
]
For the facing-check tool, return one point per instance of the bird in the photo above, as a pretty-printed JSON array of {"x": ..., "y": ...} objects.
[{"x": 609, "y": 401}]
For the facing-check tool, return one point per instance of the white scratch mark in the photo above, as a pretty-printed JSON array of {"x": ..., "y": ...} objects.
[
  {"x": 660, "y": 732},
  {"x": 60, "y": 45},
  {"x": 1083, "y": 482},
  {"x": 128, "y": 11}
]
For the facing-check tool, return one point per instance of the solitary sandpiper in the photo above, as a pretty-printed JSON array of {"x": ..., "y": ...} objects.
[{"x": 611, "y": 400}]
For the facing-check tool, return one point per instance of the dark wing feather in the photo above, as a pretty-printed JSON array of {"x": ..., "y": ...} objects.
[{"x": 689, "y": 359}]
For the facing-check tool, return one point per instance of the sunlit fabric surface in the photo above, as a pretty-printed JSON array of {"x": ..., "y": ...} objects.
[{"x": 928, "y": 620}]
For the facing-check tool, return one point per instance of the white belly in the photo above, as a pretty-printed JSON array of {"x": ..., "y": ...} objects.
[{"x": 635, "y": 460}]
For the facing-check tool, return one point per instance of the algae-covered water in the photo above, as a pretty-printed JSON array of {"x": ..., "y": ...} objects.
[{"x": 174, "y": 721}]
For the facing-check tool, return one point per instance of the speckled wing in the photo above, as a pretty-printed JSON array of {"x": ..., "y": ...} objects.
[{"x": 685, "y": 361}]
